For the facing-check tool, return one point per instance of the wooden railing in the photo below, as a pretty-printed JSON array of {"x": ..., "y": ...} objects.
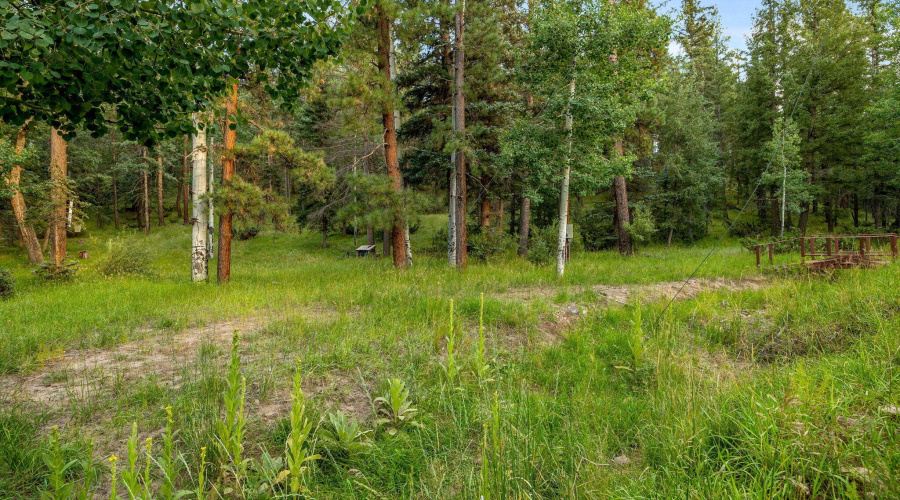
[{"x": 858, "y": 247}]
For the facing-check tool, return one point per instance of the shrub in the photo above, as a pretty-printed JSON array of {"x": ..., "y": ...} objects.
[
  {"x": 642, "y": 226},
  {"x": 596, "y": 228},
  {"x": 542, "y": 247},
  {"x": 486, "y": 243},
  {"x": 51, "y": 272},
  {"x": 125, "y": 258},
  {"x": 246, "y": 233},
  {"x": 7, "y": 286}
]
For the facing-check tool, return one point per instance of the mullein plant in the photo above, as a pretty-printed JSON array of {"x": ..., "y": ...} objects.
[
  {"x": 167, "y": 459},
  {"x": 86, "y": 492},
  {"x": 296, "y": 453},
  {"x": 148, "y": 450},
  {"x": 230, "y": 431},
  {"x": 131, "y": 474},
  {"x": 113, "y": 481},
  {"x": 55, "y": 460}
]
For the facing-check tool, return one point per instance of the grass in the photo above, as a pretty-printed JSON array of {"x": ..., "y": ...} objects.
[{"x": 780, "y": 392}]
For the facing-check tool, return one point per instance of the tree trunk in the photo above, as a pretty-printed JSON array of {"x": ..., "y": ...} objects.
[
  {"x": 484, "y": 208},
  {"x": 564, "y": 188},
  {"x": 829, "y": 214},
  {"x": 145, "y": 195},
  {"x": 225, "y": 218},
  {"x": 459, "y": 130},
  {"x": 804, "y": 219},
  {"x": 210, "y": 205},
  {"x": 524, "y": 224},
  {"x": 199, "y": 208},
  {"x": 58, "y": 196},
  {"x": 159, "y": 191},
  {"x": 622, "y": 215},
  {"x": 512, "y": 216},
  {"x": 26, "y": 229},
  {"x": 115, "y": 183},
  {"x": 390, "y": 133}
]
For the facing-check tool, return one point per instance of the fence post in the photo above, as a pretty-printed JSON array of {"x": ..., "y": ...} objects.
[
  {"x": 771, "y": 254},
  {"x": 757, "y": 256},
  {"x": 894, "y": 246},
  {"x": 868, "y": 244},
  {"x": 862, "y": 248},
  {"x": 828, "y": 246}
]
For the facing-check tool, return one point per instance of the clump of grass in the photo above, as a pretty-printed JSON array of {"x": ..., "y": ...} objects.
[{"x": 125, "y": 258}]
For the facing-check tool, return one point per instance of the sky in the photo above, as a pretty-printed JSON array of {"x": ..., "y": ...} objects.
[{"x": 737, "y": 17}]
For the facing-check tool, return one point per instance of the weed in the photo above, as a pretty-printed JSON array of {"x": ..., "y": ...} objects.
[
  {"x": 296, "y": 451},
  {"x": 482, "y": 366},
  {"x": 60, "y": 488},
  {"x": 451, "y": 368},
  {"x": 395, "y": 408},
  {"x": 230, "y": 430},
  {"x": 344, "y": 436}
]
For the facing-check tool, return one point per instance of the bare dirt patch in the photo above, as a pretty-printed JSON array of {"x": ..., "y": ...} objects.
[
  {"x": 89, "y": 373},
  {"x": 564, "y": 315}
]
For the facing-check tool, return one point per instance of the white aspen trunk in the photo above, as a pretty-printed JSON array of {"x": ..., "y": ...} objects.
[
  {"x": 199, "y": 207},
  {"x": 564, "y": 189},
  {"x": 451, "y": 233},
  {"x": 210, "y": 207}
]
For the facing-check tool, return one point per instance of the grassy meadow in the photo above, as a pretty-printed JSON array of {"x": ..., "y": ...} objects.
[{"x": 755, "y": 386}]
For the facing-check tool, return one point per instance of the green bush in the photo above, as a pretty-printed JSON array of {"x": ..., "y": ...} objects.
[
  {"x": 125, "y": 258},
  {"x": 7, "y": 286},
  {"x": 486, "y": 243},
  {"x": 595, "y": 225},
  {"x": 542, "y": 247},
  {"x": 51, "y": 272}
]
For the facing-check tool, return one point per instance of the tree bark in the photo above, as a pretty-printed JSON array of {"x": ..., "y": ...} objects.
[
  {"x": 622, "y": 215},
  {"x": 145, "y": 195},
  {"x": 199, "y": 208},
  {"x": 159, "y": 191},
  {"x": 115, "y": 183},
  {"x": 390, "y": 133},
  {"x": 26, "y": 229},
  {"x": 459, "y": 130},
  {"x": 225, "y": 218},
  {"x": 524, "y": 224},
  {"x": 484, "y": 208},
  {"x": 58, "y": 196},
  {"x": 564, "y": 188}
]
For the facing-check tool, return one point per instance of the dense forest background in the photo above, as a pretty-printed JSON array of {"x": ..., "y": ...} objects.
[{"x": 667, "y": 141}]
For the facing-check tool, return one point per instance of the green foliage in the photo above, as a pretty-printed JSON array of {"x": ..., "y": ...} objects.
[
  {"x": 395, "y": 408},
  {"x": 485, "y": 243},
  {"x": 177, "y": 59},
  {"x": 60, "y": 488},
  {"x": 230, "y": 430},
  {"x": 49, "y": 271},
  {"x": 126, "y": 257},
  {"x": 542, "y": 247},
  {"x": 296, "y": 450},
  {"x": 252, "y": 207},
  {"x": 344, "y": 437},
  {"x": 7, "y": 285},
  {"x": 642, "y": 226}
]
